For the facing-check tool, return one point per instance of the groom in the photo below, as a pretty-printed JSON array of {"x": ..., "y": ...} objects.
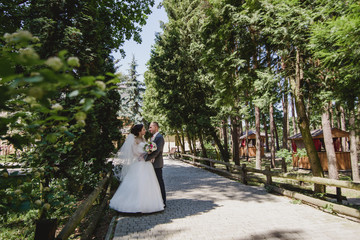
[{"x": 156, "y": 157}]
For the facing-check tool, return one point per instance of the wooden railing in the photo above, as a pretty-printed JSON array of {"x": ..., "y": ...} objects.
[
  {"x": 242, "y": 175},
  {"x": 84, "y": 208}
]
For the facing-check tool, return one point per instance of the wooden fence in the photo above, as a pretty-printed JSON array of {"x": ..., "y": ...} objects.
[
  {"x": 242, "y": 171},
  {"x": 84, "y": 208}
]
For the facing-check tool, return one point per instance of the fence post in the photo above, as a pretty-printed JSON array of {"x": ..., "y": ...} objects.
[
  {"x": 212, "y": 164},
  {"x": 338, "y": 195},
  {"x": 244, "y": 174},
  {"x": 268, "y": 176}
]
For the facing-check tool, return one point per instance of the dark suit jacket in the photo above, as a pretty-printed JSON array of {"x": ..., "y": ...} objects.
[{"x": 158, "y": 154}]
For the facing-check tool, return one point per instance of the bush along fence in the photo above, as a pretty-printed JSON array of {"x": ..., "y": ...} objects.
[
  {"x": 241, "y": 173},
  {"x": 44, "y": 230}
]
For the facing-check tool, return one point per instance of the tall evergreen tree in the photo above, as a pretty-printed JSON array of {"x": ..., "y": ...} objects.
[{"x": 132, "y": 90}]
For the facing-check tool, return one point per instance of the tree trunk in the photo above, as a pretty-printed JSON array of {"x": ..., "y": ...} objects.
[
  {"x": 224, "y": 128},
  {"x": 304, "y": 125},
  {"x": 331, "y": 116},
  {"x": 247, "y": 139},
  {"x": 272, "y": 135},
  {"x": 285, "y": 103},
  {"x": 353, "y": 149},
  {"x": 276, "y": 137},
  {"x": 193, "y": 139},
  {"x": 235, "y": 141},
  {"x": 329, "y": 145},
  {"x": 241, "y": 130},
  {"x": 343, "y": 127},
  {"x": 253, "y": 35},
  {"x": 266, "y": 133},
  {"x": 189, "y": 142},
  {"x": 338, "y": 113},
  {"x": 182, "y": 142},
  {"x": 293, "y": 114},
  {"x": 203, "y": 149},
  {"x": 224, "y": 153},
  {"x": 258, "y": 138}
]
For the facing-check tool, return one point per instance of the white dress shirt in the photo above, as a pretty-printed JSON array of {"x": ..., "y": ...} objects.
[{"x": 153, "y": 137}]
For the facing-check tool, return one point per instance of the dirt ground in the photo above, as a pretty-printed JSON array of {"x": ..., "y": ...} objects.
[{"x": 103, "y": 225}]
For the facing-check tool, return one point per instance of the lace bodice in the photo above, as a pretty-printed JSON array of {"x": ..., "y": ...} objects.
[{"x": 139, "y": 151}]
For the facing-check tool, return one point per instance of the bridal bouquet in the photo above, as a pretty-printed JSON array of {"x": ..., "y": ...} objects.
[{"x": 150, "y": 147}]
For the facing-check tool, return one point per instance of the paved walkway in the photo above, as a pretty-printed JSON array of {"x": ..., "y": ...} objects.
[{"x": 203, "y": 205}]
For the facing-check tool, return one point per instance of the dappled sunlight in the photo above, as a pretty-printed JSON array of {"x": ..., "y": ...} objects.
[
  {"x": 204, "y": 205},
  {"x": 197, "y": 183}
]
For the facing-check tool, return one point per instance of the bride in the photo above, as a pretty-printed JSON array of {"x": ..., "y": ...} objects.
[{"x": 139, "y": 190}]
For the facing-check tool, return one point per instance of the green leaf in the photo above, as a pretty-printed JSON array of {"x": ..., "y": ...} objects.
[
  {"x": 5, "y": 67},
  {"x": 57, "y": 118},
  {"x": 62, "y": 54},
  {"x": 98, "y": 93},
  {"x": 114, "y": 81},
  {"x": 51, "y": 137},
  {"x": 74, "y": 93},
  {"x": 69, "y": 134},
  {"x": 88, "y": 104},
  {"x": 88, "y": 79},
  {"x": 34, "y": 79},
  {"x": 25, "y": 206}
]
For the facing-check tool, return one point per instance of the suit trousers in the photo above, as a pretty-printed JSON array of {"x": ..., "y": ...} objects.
[{"x": 159, "y": 176}]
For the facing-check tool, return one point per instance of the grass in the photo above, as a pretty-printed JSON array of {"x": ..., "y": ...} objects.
[{"x": 18, "y": 226}]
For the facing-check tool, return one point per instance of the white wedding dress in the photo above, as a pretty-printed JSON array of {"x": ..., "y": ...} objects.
[{"x": 139, "y": 190}]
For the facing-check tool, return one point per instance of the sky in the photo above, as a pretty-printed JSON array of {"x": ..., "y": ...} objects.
[{"x": 142, "y": 51}]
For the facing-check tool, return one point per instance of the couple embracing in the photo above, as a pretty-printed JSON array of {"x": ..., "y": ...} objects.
[{"x": 142, "y": 187}]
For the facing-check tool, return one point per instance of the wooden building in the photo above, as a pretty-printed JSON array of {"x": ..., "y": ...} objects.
[
  {"x": 251, "y": 144},
  {"x": 342, "y": 155}
]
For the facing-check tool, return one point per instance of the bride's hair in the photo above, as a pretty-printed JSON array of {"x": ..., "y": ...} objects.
[{"x": 136, "y": 129}]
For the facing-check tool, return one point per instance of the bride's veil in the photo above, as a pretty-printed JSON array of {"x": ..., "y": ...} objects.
[{"x": 124, "y": 158}]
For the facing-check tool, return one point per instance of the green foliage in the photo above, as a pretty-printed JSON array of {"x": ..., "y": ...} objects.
[
  {"x": 329, "y": 208},
  {"x": 19, "y": 194},
  {"x": 301, "y": 152},
  {"x": 335, "y": 41},
  {"x": 285, "y": 153},
  {"x": 31, "y": 98},
  {"x": 38, "y": 117},
  {"x": 89, "y": 30},
  {"x": 296, "y": 201},
  {"x": 19, "y": 226},
  {"x": 60, "y": 110}
]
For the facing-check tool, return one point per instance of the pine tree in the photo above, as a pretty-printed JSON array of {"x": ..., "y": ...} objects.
[{"x": 132, "y": 95}]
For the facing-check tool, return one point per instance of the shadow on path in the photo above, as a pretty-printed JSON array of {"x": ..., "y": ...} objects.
[
  {"x": 273, "y": 235},
  {"x": 177, "y": 208}
]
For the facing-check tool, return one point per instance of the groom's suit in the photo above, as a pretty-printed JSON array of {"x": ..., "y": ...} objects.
[{"x": 158, "y": 162}]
